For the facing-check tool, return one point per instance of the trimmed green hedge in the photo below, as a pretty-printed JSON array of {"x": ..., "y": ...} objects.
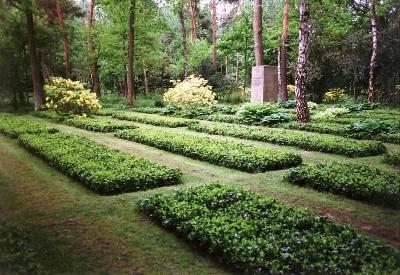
[
  {"x": 304, "y": 140},
  {"x": 390, "y": 138},
  {"x": 393, "y": 158},
  {"x": 153, "y": 119},
  {"x": 102, "y": 169},
  {"x": 260, "y": 235},
  {"x": 14, "y": 126},
  {"x": 351, "y": 180},
  {"x": 225, "y": 153}
]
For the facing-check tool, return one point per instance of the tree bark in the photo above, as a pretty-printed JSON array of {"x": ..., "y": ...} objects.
[
  {"x": 185, "y": 48},
  {"x": 257, "y": 30},
  {"x": 226, "y": 65},
  {"x": 214, "y": 31},
  {"x": 372, "y": 63},
  {"x": 282, "y": 62},
  {"x": 146, "y": 81},
  {"x": 37, "y": 86},
  {"x": 237, "y": 68},
  {"x": 303, "y": 114},
  {"x": 92, "y": 51},
  {"x": 131, "y": 47},
  {"x": 67, "y": 64},
  {"x": 193, "y": 24}
]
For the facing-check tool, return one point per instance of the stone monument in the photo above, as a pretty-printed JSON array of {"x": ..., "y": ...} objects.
[{"x": 264, "y": 84}]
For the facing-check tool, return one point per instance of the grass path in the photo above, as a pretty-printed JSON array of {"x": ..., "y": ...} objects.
[{"x": 380, "y": 222}]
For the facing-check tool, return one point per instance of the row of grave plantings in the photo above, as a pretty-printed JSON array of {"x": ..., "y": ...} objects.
[
  {"x": 259, "y": 235},
  {"x": 304, "y": 140},
  {"x": 102, "y": 169},
  {"x": 220, "y": 152},
  {"x": 355, "y": 181}
]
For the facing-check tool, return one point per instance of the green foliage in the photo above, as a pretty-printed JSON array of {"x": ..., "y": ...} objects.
[
  {"x": 225, "y": 153},
  {"x": 17, "y": 252},
  {"x": 260, "y": 235},
  {"x": 253, "y": 113},
  {"x": 369, "y": 128},
  {"x": 351, "y": 180},
  {"x": 288, "y": 104},
  {"x": 100, "y": 168},
  {"x": 393, "y": 158},
  {"x": 390, "y": 138},
  {"x": 14, "y": 126},
  {"x": 360, "y": 106},
  {"x": 222, "y": 118},
  {"x": 308, "y": 141},
  {"x": 275, "y": 118},
  {"x": 153, "y": 119}
]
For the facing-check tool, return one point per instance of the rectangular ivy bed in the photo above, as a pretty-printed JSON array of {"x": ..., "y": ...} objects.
[
  {"x": 220, "y": 152},
  {"x": 259, "y": 235},
  {"x": 304, "y": 140}
]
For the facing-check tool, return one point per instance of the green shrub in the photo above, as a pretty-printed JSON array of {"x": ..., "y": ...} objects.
[
  {"x": 225, "y": 153},
  {"x": 51, "y": 115},
  {"x": 304, "y": 140},
  {"x": 102, "y": 169},
  {"x": 369, "y": 128},
  {"x": 253, "y": 113},
  {"x": 359, "y": 107},
  {"x": 224, "y": 109},
  {"x": 318, "y": 127},
  {"x": 148, "y": 110},
  {"x": 288, "y": 104},
  {"x": 14, "y": 126},
  {"x": 275, "y": 118},
  {"x": 390, "y": 137},
  {"x": 330, "y": 113},
  {"x": 351, "y": 180},
  {"x": 153, "y": 119},
  {"x": 222, "y": 118},
  {"x": 98, "y": 125},
  {"x": 260, "y": 235},
  {"x": 393, "y": 158}
]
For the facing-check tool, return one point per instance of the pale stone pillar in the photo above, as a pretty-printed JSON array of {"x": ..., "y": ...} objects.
[{"x": 264, "y": 84}]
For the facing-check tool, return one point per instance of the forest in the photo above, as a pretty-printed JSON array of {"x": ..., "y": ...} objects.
[{"x": 199, "y": 137}]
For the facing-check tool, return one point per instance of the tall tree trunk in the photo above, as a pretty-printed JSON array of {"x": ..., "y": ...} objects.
[
  {"x": 282, "y": 65},
  {"x": 237, "y": 68},
  {"x": 257, "y": 29},
  {"x": 37, "y": 86},
  {"x": 214, "y": 31},
  {"x": 303, "y": 114},
  {"x": 46, "y": 70},
  {"x": 226, "y": 65},
  {"x": 92, "y": 51},
  {"x": 184, "y": 39},
  {"x": 372, "y": 63},
  {"x": 131, "y": 48},
  {"x": 67, "y": 63},
  {"x": 193, "y": 17},
  {"x": 146, "y": 81}
]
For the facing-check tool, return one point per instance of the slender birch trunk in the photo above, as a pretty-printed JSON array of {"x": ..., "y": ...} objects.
[
  {"x": 372, "y": 63},
  {"x": 282, "y": 62},
  {"x": 131, "y": 55}
]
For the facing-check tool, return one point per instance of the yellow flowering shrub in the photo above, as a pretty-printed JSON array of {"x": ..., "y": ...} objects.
[
  {"x": 193, "y": 92},
  {"x": 67, "y": 96},
  {"x": 335, "y": 95},
  {"x": 291, "y": 91}
]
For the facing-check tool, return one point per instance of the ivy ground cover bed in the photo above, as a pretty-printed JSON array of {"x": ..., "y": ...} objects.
[
  {"x": 304, "y": 140},
  {"x": 351, "y": 180},
  {"x": 100, "y": 168},
  {"x": 261, "y": 235},
  {"x": 13, "y": 126},
  {"x": 224, "y": 153}
]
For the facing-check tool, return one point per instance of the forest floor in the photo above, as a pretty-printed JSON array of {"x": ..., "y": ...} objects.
[{"x": 78, "y": 231}]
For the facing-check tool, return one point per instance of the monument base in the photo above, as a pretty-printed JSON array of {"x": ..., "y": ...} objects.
[{"x": 264, "y": 84}]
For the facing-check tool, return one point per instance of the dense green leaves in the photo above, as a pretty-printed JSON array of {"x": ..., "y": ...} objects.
[
  {"x": 393, "y": 158},
  {"x": 261, "y": 235},
  {"x": 352, "y": 180},
  {"x": 14, "y": 126},
  {"x": 225, "y": 153},
  {"x": 308, "y": 141}
]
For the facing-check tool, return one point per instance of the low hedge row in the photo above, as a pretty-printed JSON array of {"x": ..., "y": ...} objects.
[
  {"x": 222, "y": 118},
  {"x": 390, "y": 138},
  {"x": 102, "y": 169},
  {"x": 153, "y": 119},
  {"x": 393, "y": 158},
  {"x": 351, "y": 180},
  {"x": 225, "y": 153},
  {"x": 304, "y": 140},
  {"x": 14, "y": 126},
  {"x": 259, "y": 235}
]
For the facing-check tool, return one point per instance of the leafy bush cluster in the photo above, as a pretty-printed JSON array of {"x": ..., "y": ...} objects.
[
  {"x": 330, "y": 113},
  {"x": 102, "y": 169},
  {"x": 335, "y": 95},
  {"x": 193, "y": 92},
  {"x": 14, "y": 126},
  {"x": 153, "y": 119},
  {"x": 222, "y": 118},
  {"x": 262, "y": 236},
  {"x": 253, "y": 113},
  {"x": 393, "y": 158},
  {"x": 275, "y": 118},
  {"x": 304, "y": 140},
  {"x": 225, "y": 153},
  {"x": 360, "y": 106},
  {"x": 351, "y": 180},
  {"x": 290, "y": 104},
  {"x": 369, "y": 128},
  {"x": 390, "y": 137},
  {"x": 67, "y": 96}
]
